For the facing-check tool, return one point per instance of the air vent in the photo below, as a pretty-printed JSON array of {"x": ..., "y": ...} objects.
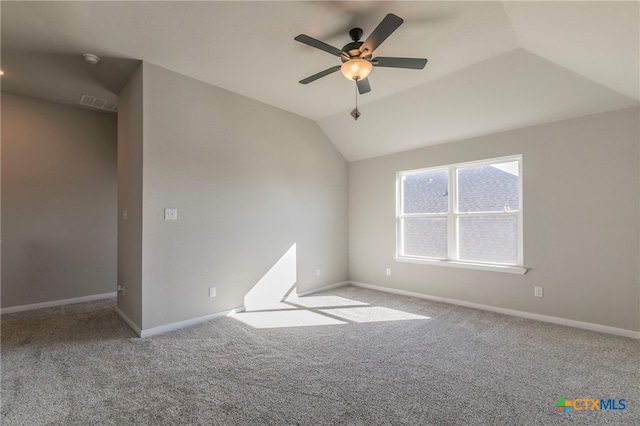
[{"x": 103, "y": 104}]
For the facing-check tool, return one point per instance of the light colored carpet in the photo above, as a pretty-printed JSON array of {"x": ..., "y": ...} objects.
[{"x": 362, "y": 358}]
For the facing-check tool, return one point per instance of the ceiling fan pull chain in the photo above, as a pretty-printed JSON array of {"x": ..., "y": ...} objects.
[{"x": 355, "y": 113}]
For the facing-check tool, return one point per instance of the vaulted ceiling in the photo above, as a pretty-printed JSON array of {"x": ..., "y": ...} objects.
[{"x": 493, "y": 66}]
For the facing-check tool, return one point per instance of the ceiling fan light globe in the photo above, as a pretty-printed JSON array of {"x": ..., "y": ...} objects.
[{"x": 356, "y": 69}]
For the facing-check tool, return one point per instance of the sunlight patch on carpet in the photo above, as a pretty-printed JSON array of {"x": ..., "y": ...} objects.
[
  {"x": 324, "y": 301},
  {"x": 288, "y": 318},
  {"x": 372, "y": 314}
]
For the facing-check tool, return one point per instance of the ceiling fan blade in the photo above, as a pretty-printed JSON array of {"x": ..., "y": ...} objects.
[
  {"x": 411, "y": 63},
  {"x": 363, "y": 86},
  {"x": 303, "y": 38},
  {"x": 389, "y": 24},
  {"x": 320, "y": 74}
]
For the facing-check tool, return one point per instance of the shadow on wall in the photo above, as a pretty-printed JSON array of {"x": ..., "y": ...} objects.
[{"x": 273, "y": 303}]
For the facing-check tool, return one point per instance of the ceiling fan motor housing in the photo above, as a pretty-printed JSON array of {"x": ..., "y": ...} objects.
[{"x": 353, "y": 50}]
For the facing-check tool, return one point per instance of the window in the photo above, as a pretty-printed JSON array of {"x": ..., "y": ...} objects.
[{"x": 467, "y": 215}]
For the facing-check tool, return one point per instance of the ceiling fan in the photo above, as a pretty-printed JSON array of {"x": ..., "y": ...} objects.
[{"x": 357, "y": 56}]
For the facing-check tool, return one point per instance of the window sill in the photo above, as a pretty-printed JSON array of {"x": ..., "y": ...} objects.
[{"x": 465, "y": 265}]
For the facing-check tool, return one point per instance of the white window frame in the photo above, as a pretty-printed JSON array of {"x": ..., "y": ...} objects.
[{"x": 453, "y": 215}]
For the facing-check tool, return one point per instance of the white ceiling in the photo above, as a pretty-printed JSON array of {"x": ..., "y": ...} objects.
[{"x": 493, "y": 66}]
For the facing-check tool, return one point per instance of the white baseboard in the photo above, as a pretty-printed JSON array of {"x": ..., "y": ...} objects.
[
  {"x": 545, "y": 318},
  {"x": 176, "y": 325},
  {"x": 187, "y": 323},
  {"x": 129, "y": 322},
  {"x": 53, "y": 303},
  {"x": 325, "y": 288}
]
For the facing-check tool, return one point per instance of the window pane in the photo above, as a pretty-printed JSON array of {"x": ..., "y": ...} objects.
[
  {"x": 425, "y": 192},
  {"x": 488, "y": 239},
  {"x": 425, "y": 237},
  {"x": 488, "y": 188}
]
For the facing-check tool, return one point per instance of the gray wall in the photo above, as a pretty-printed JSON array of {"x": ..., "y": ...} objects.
[
  {"x": 58, "y": 202},
  {"x": 249, "y": 181},
  {"x": 130, "y": 123},
  {"x": 581, "y": 232}
]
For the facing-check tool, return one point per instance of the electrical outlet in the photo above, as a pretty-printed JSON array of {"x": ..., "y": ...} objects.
[
  {"x": 170, "y": 214},
  {"x": 538, "y": 292},
  {"x": 317, "y": 272},
  {"x": 388, "y": 272},
  {"x": 124, "y": 215},
  {"x": 121, "y": 289},
  {"x": 212, "y": 292}
]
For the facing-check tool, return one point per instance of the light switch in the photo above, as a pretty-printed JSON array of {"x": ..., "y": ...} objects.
[{"x": 170, "y": 214}]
